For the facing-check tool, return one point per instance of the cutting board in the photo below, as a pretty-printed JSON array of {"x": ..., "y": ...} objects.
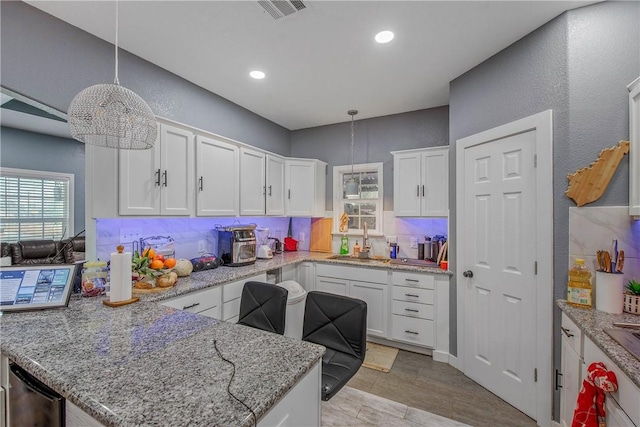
[{"x": 321, "y": 238}]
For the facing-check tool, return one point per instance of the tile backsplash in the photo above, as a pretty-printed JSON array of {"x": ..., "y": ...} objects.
[{"x": 592, "y": 229}]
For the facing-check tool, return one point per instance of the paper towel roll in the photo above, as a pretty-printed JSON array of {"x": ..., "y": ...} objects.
[
  {"x": 609, "y": 291},
  {"x": 120, "y": 273}
]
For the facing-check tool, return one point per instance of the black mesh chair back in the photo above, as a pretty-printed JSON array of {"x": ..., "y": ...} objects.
[
  {"x": 340, "y": 324},
  {"x": 263, "y": 306}
]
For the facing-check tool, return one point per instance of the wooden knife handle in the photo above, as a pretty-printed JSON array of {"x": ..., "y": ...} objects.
[
  {"x": 607, "y": 262},
  {"x": 620, "y": 263}
]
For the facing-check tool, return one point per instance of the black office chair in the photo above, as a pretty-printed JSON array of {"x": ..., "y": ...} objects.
[
  {"x": 340, "y": 324},
  {"x": 263, "y": 306}
]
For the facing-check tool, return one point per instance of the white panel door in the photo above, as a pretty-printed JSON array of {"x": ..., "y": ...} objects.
[
  {"x": 177, "y": 180},
  {"x": 406, "y": 184},
  {"x": 218, "y": 182},
  {"x": 498, "y": 242},
  {"x": 300, "y": 179},
  {"x": 375, "y": 295},
  {"x": 435, "y": 183},
  {"x": 140, "y": 181},
  {"x": 252, "y": 182},
  {"x": 275, "y": 186}
]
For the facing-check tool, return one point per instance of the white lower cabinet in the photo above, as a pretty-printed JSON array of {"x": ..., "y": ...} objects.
[
  {"x": 306, "y": 274},
  {"x": 571, "y": 367},
  {"x": 231, "y": 293},
  {"x": 413, "y": 308},
  {"x": 365, "y": 284}
]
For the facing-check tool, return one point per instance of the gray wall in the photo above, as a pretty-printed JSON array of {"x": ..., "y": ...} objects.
[
  {"x": 51, "y": 61},
  {"x": 578, "y": 65},
  {"x": 28, "y": 150},
  {"x": 374, "y": 140}
]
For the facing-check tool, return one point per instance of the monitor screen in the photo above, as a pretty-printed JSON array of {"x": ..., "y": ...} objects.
[{"x": 36, "y": 287}]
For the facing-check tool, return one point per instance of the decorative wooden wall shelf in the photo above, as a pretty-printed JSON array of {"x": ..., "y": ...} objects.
[{"x": 588, "y": 184}]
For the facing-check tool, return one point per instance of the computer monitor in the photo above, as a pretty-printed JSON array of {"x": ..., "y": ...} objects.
[{"x": 36, "y": 287}]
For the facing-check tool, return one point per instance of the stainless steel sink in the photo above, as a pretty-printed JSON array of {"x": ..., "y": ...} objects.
[{"x": 359, "y": 260}]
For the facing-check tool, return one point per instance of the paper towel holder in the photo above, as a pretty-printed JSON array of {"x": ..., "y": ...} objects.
[{"x": 120, "y": 303}]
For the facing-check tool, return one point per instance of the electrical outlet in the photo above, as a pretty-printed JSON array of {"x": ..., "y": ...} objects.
[
  {"x": 130, "y": 234},
  {"x": 414, "y": 242},
  {"x": 302, "y": 236},
  {"x": 201, "y": 247}
]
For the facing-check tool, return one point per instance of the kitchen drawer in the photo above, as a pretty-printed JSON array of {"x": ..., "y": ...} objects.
[
  {"x": 572, "y": 334},
  {"x": 402, "y": 278},
  {"x": 213, "y": 312},
  {"x": 412, "y": 309},
  {"x": 231, "y": 309},
  {"x": 627, "y": 395},
  {"x": 419, "y": 295},
  {"x": 413, "y": 330},
  {"x": 195, "y": 302},
  {"x": 233, "y": 290},
  {"x": 371, "y": 275}
]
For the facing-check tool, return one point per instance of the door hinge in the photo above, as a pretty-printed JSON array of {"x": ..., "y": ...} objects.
[
  {"x": 558, "y": 382},
  {"x": 535, "y": 375},
  {"x": 535, "y": 160},
  {"x": 535, "y": 267}
]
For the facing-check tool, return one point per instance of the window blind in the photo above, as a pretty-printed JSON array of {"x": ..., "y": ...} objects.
[{"x": 34, "y": 205}]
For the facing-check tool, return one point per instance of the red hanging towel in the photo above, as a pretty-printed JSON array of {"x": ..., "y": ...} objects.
[{"x": 590, "y": 410}]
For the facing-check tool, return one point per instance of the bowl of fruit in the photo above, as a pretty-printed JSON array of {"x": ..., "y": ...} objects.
[{"x": 151, "y": 270}]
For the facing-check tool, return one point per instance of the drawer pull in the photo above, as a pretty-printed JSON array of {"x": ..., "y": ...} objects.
[
  {"x": 567, "y": 332},
  {"x": 412, "y": 310},
  {"x": 412, "y": 280},
  {"x": 412, "y": 332},
  {"x": 190, "y": 306},
  {"x": 412, "y": 295}
]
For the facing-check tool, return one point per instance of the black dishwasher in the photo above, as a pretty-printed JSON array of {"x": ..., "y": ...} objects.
[{"x": 32, "y": 403}]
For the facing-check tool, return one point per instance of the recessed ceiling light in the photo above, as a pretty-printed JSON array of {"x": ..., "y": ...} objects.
[
  {"x": 384, "y": 36},
  {"x": 257, "y": 74}
]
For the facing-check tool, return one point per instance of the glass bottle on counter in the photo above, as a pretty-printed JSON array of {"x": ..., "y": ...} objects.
[{"x": 579, "y": 291}]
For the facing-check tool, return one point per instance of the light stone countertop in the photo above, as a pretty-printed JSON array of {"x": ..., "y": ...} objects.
[
  {"x": 592, "y": 323},
  {"x": 148, "y": 364}
]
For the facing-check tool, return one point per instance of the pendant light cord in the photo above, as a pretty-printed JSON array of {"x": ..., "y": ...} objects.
[
  {"x": 116, "y": 81},
  {"x": 352, "y": 138}
]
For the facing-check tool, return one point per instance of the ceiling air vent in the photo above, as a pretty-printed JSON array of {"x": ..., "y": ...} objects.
[{"x": 281, "y": 8}]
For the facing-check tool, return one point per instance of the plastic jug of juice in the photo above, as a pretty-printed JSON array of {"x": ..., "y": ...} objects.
[{"x": 579, "y": 287}]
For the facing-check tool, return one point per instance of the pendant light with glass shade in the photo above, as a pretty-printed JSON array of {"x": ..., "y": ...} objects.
[
  {"x": 351, "y": 190},
  {"x": 113, "y": 116}
]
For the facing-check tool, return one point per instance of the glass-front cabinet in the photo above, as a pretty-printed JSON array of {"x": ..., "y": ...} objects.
[{"x": 364, "y": 207}]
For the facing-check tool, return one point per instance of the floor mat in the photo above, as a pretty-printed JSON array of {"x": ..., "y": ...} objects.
[{"x": 379, "y": 357}]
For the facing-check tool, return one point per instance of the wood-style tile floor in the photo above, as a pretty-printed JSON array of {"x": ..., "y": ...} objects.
[{"x": 418, "y": 382}]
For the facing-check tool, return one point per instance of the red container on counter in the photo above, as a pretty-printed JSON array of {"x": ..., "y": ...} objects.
[{"x": 290, "y": 244}]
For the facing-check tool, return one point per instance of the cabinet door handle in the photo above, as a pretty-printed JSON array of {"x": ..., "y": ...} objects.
[
  {"x": 201, "y": 184},
  {"x": 567, "y": 332},
  {"x": 412, "y": 295},
  {"x": 418, "y": 190},
  {"x": 289, "y": 193},
  {"x": 412, "y": 332},
  {"x": 423, "y": 190},
  {"x": 558, "y": 379},
  {"x": 270, "y": 190},
  {"x": 190, "y": 306},
  {"x": 412, "y": 310},
  {"x": 412, "y": 280},
  {"x": 158, "y": 177},
  {"x": 164, "y": 178}
]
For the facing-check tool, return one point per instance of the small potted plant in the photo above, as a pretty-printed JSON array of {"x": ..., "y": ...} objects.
[{"x": 632, "y": 297}]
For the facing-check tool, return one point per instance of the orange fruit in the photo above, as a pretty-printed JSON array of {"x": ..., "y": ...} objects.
[
  {"x": 149, "y": 253},
  {"x": 156, "y": 264},
  {"x": 170, "y": 263}
]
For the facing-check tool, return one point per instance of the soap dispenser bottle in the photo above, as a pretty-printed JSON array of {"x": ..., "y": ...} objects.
[
  {"x": 356, "y": 249},
  {"x": 344, "y": 245}
]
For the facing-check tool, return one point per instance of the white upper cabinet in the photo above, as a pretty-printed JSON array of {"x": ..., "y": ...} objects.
[
  {"x": 305, "y": 181},
  {"x": 252, "y": 182},
  {"x": 158, "y": 181},
  {"x": 218, "y": 178},
  {"x": 275, "y": 186},
  {"x": 634, "y": 150},
  {"x": 421, "y": 182}
]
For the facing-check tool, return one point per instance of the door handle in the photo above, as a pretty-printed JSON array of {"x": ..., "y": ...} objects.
[
  {"x": 158, "y": 177},
  {"x": 468, "y": 274},
  {"x": 164, "y": 179},
  {"x": 201, "y": 184},
  {"x": 270, "y": 190},
  {"x": 423, "y": 190},
  {"x": 567, "y": 332}
]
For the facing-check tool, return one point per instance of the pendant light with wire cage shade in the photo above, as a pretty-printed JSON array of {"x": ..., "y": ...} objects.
[
  {"x": 113, "y": 116},
  {"x": 352, "y": 187}
]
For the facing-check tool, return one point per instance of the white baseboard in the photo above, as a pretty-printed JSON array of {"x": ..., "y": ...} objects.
[
  {"x": 441, "y": 356},
  {"x": 554, "y": 424},
  {"x": 453, "y": 361}
]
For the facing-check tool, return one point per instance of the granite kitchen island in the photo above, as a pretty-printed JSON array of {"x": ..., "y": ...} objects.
[{"x": 148, "y": 364}]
